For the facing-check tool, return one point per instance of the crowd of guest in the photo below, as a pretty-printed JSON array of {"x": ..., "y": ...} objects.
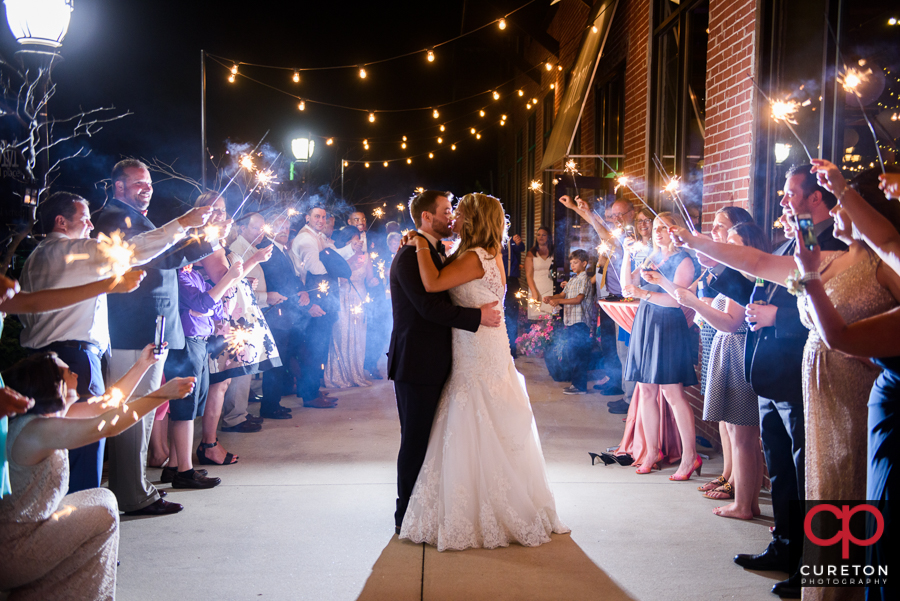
[
  {"x": 120, "y": 367},
  {"x": 790, "y": 345}
]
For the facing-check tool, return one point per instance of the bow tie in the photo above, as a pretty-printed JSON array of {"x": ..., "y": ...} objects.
[{"x": 441, "y": 250}]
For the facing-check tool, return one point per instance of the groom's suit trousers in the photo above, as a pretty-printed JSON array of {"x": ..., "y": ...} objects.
[{"x": 416, "y": 404}]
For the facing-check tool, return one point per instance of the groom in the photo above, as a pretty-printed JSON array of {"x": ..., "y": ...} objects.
[{"x": 419, "y": 357}]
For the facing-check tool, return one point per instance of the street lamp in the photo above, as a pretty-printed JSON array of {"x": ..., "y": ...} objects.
[
  {"x": 303, "y": 148},
  {"x": 39, "y": 22}
]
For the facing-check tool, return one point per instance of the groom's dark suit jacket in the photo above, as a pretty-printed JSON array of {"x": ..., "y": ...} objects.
[{"x": 420, "y": 351}]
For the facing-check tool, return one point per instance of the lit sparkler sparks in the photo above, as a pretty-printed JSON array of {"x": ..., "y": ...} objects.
[
  {"x": 380, "y": 266},
  {"x": 323, "y": 287},
  {"x": 292, "y": 212},
  {"x": 404, "y": 232},
  {"x": 778, "y": 225},
  {"x": 378, "y": 213},
  {"x": 784, "y": 110},
  {"x": 247, "y": 162},
  {"x": 101, "y": 425},
  {"x": 401, "y": 206},
  {"x": 622, "y": 180},
  {"x": 673, "y": 186},
  {"x": 356, "y": 309},
  {"x": 266, "y": 178},
  {"x": 536, "y": 186},
  {"x": 373, "y": 255},
  {"x": 267, "y": 230},
  {"x": 851, "y": 79},
  {"x": 571, "y": 167},
  {"x": 114, "y": 420},
  {"x": 212, "y": 232},
  {"x": 118, "y": 252},
  {"x": 238, "y": 339}
]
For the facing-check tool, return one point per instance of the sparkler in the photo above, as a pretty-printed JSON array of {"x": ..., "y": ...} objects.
[
  {"x": 237, "y": 339},
  {"x": 356, "y": 310},
  {"x": 625, "y": 180},
  {"x": 378, "y": 213},
  {"x": 380, "y": 266},
  {"x": 373, "y": 255},
  {"x": 672, "y": 188},
  {"x": 401, "y": 206},
  {"x": 784, "y": 111},
  {"x": 778, "y": 225},
  {"x": 118, "y": 252},
  {"x": 851, "y": 79},
  {"x": 536, "y": 186},
  {"x": 572, "y": 169},
  {"x": 238, "y": 171},
  {"x": 323, "y": 287}
]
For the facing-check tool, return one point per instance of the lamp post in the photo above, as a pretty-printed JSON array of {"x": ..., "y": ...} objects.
[
  {"x": 302, "y": 149},
  {"x": 39, "y": 26}
]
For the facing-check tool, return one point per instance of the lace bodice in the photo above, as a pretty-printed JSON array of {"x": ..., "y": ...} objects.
[
  {"x": 36, "y": 489},
  {"x": 482, "y": 291}
]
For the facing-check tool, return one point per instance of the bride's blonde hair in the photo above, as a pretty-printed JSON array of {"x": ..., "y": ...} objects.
[{"x": 485, "y": 224}]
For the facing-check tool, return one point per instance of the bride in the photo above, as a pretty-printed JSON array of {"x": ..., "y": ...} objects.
[{"x": 484, "y": 482}]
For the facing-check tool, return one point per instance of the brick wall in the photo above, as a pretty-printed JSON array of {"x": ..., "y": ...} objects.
[{"x": 726, "y": 171}]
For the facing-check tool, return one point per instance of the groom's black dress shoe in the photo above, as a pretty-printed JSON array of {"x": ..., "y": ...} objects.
[
  {"x": 397, "y": 530},
  {"x": 768, "y": 560}
]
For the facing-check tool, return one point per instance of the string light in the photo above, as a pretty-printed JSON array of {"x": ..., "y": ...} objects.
[
  {"x": 385, "y": 163},
  {"x": 440, "y": 140},
  {"x": 481, "y": 113},
  {"x": 442, "y": 127},
  {"x": 453, "y": 147},
  {"x": 302, "y": 105},
  {"x": 367, "y": 165},
  {"x": 477, "y": 136},
  {"x": 346, "y": 163},
  {"x": 502, "y": 122},
  {"x": 403, "y": 138},
  {"x": 528, "y": 106},
  {"x": 496, "y": 95},
  {"x": 472, "y": 131},
  {"x": 362, "y": 73},
  {"x": 534, "y": 101},
  {"x": 430, "y": 155},
  {"x": 552, "y": 86},
  {"x": 409, "y": 161},
  {"x": 296, "y": 77},
  {"x": 520, "y": 92},
  {"x": 403, "y": 145},
  {"x": 231, "y": 78},
  {"x": 435, "y": 113},
  {"x": 501, "y": 24},
  {"x": 503, "y": 117},
  {"x": 329, "y": 141},
  {"x": 430, "y": 56},
  {"x": 559, "y": 67},
  {"x": 371, "y": 117},
  {"x": 594, "y": 29},
  {"x": 234, "y": 69},
  {"x": 549, "y": 66}
]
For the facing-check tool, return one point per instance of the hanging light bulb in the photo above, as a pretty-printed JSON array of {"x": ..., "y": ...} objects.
[
  {"x": 362, "y": 72},
  {"x": 503, "y": 117},
  {"x": 549, "y": 66},
  {"x": 503, "y": 123},
  {"x": 346, "y": 163},
  {"x": 409, "y": 161},
  {"x": 501, "y": 24},
  {"x": 371, "y": 117},
  {"x": 552, "y": 86},
  {"x": 472, "y": 131},
  {"x": 520, "y": 92},
  {"x": 481, "y": 113},
  {"x": 385, "y": 163},
  {"x": 442, "y": 127},
  {"x": 430, "y": 155},
  {"x": 329, "y": 141},
  {"x": 453, "y": 147},
  {"x": 594, "y": 29},
  {"x": 435, "y": 113},
  {"x": 296, "y": 77},
  {"x": 534, "y": 101},
  {"x": 496, "y": 95},
  {"x": 404, "y": 138},
  {"x": 559, "y": 67},
  {"x": 231, "y": 78},
  {"x": 430, "y": 56},
  {"x": 440, "y": 140},
  {"x": 302, "y": 105},
  {"x": 528, "y": 106},
  {"x": 477, "y": 136},
  {"x": 234, "y": 69},
  {"x": 367, "y": 165},
  {"x": 403, "y": 145}
]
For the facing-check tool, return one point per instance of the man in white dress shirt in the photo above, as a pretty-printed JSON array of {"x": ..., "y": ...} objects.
[
  {"x": 305, "y": 249},
  {"x": 80, "y": 334}
]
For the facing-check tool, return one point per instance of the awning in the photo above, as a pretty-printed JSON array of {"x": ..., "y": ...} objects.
[{"x": 563, "y": 133}]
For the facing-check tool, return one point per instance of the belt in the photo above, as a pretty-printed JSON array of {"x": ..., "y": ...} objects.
[
  {"x": 200, "y": 338},
  {"x": 85, "y": 346}
]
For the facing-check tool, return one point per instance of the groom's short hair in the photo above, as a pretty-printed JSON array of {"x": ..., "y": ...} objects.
[{"x": 426, "y": 201}]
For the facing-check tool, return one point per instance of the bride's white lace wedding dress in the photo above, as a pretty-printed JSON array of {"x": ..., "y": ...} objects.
[{"x": 484, "y": 482}]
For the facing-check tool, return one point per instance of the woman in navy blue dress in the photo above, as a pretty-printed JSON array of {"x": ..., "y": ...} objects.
[{"x": 659, "y": 353}]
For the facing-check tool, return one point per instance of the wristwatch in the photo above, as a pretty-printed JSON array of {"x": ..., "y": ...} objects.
[{"x": 647, "y": 296}]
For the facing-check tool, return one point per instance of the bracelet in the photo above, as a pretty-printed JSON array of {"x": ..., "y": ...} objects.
[
  {"x": 647, "y": 296},
  {"x": 810, "y": 276},
  {"x": 418, "y": 250},
  {"x": 841, "y": 195}
]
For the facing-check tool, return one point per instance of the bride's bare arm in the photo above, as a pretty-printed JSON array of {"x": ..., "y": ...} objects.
[{"x": 464, "y": 269}]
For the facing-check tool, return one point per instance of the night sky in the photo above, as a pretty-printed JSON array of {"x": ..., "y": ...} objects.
[{"x": 144, "y": 57}]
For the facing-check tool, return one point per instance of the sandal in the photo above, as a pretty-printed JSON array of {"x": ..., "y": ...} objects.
[
  {"x": 203, "y": 460},
  {"x": 726, "y": 491},
  {"x": 713, "y": 484}
]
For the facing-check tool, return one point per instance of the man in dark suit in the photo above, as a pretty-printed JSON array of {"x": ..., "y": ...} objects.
[
  {"x": 420, "y": 354},
  {"x": 132, "y": 324},
  {"x": 287, "y": 316},
  {"x": 773, "y": 364}
]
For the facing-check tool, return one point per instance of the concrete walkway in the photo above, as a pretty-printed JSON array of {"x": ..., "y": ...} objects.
[{"x": 308, "y": 514}]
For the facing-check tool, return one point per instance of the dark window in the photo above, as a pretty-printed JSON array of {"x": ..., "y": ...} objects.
[
  {"x": 517, "y": 183},
  {"x": 549, "y": 101},
  {"x": 532, "y": 144},
  {"x": 678, "y": 96}
]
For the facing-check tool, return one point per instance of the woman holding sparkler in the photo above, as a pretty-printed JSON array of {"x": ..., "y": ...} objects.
[
  {"x": 538, "y": 267},
  {"x": 729, "y": 399},
  {"x": 242, "y": 344},
  {"x": 659, "y": 353},
  {"x": 348, "y": 340},
  {"x": 53, "y": 545}
]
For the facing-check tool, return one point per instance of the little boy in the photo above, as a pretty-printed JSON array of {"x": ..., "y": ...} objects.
[{"x": 577, "y": 301}]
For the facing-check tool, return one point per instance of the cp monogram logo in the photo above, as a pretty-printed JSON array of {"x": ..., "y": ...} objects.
[{"x": 844, "y": 514}]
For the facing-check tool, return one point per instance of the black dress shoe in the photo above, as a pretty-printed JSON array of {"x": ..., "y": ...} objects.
[
  {"x": 397, "y": 530},
  {"x": 280, "y": 413},
  {"x": 768, "y": 560},
  {"x": 619, "y": 407},
  {"x": 253, "y": 419},
  {"x": 162, "y": 493},
  {"x": 790, "y": 588},
  {"x": 244, "y": 427},
  {"x": 608, "y": 390},
  {"x": 195, "y": 480},
  {"x": 160, "y": 507},
  {"x": 168, "y": 474}
]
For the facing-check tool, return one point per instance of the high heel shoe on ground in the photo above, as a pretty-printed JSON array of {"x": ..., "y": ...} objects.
[
  {"x": 202, "y": 459},
  {"x": 644, "y": 469},
  {"x": 604, "y": 457},
  {"x": 698, "y": 465}
]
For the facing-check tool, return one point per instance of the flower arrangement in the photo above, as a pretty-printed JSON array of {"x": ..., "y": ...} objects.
[{"x": 534, "y": 342}]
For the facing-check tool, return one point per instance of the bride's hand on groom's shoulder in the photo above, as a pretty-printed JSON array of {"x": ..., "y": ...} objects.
[
  {"x": 409, "y": 238},
  {"x": 490, "y": 315}
]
